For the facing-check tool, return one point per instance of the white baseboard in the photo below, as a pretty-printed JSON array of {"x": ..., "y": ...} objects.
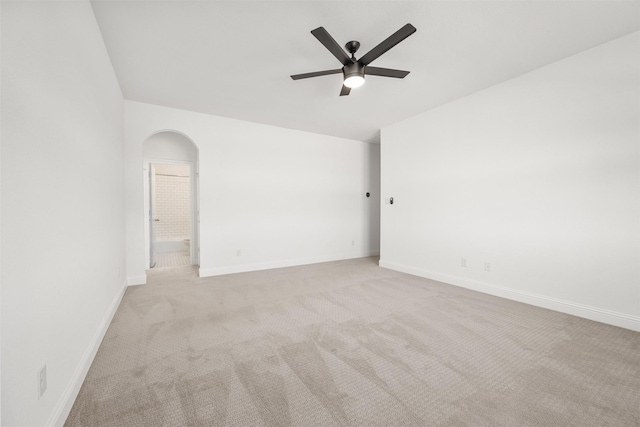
[
  {"x": 588, "y": 312},
  {"x": 137, "y": 280},
  {"x": 62, "y": 409},
  {"x": 244, "y": 268}
]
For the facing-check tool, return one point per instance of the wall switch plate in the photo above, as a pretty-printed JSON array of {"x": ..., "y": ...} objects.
[
  {"x": 487, "y": 266},
  {"x": 238, "y": 252},
  {"x": 463, "y": 262},
  {"x": 42, "y": 381},
  {"x": 353, "y": 243}
]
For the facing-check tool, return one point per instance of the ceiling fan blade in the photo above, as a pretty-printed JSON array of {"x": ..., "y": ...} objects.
[
  {"x": 325, "y": 38},
  {"x": 385, "y": 72},
  {"x": 387, "y": 44},
  {"x": 316, "y": 74},
  {"x": 345, "y": 91}
]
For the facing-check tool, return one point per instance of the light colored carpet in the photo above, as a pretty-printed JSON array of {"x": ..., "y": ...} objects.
[
  {"x": 171, "y": 259},
  {"x": 349, "y": 343}
]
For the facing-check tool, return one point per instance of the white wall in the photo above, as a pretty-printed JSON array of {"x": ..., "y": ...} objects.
[
  {"x": 62, "y": 211},
  {"x": 1, "y": 133},
  {"x": 540, "y": 176},
  {"x": 170, "y": 146},
  {"x": 281, "y": 197}
]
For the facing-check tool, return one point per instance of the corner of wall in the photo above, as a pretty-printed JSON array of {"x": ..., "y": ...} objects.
[{"x": 137, "y": 280}]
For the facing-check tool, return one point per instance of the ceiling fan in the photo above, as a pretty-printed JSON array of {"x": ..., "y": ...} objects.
[{"x": 354, "y": 70}]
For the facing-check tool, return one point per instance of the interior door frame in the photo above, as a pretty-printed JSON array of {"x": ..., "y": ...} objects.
[
  {"x": 194, "y": 249},
  {"x": 152, "y": 182}
]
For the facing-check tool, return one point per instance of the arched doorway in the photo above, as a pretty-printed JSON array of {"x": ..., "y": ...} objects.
[{"x": 171, "y": 200}]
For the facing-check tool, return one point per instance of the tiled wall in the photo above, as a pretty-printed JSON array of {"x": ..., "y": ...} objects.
[{"x": 171, "y": 200}]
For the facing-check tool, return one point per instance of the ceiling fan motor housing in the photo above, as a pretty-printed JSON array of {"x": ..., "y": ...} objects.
[{"x": 355, "y": 69}]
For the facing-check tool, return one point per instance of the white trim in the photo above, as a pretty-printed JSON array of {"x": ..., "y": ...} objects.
[
  {"x": 244, "y": 268},
  {"x": 137, "y": 280},
  {"x": 588, "y": 312},
  {"x": 62, "y": 409}
]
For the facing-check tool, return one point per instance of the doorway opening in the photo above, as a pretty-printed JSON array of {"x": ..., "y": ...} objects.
[
  {"x": 169, "y": 205},
  {"x": 171, "y": 201}
]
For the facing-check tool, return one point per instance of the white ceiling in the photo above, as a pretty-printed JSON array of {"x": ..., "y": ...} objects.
[{"x": 234, "y": 58}]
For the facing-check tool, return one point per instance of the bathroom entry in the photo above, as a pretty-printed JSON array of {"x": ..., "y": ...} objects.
[
  {"x": 170, "y": 160},
  {"x": 170, "y": 214}
]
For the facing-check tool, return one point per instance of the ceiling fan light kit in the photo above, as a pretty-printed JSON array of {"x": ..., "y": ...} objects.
[
  {"x": 353, "y": 82},
  {"x": 354, "y": 70},
  {"x": 353, "y": 75}
]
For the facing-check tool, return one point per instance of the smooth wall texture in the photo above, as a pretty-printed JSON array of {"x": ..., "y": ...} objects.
[
  {"x": 269, "y": 197},
  {"x": 170, "y": 146},
  {"x": 62, "y": 212},
  {"x": 538, "y": 176}
]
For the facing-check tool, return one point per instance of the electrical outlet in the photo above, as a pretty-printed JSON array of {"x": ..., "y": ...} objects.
[
  {"x": 487, "y": 266},
  {"x": 463, "y": 262},
  {"x": 42, "y": 381},
  {"x": 353, "y": 243},
  {"x": 238, "y": 252}
]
